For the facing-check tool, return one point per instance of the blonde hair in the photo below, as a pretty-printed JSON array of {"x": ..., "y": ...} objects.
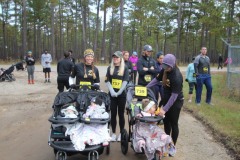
[{"x": 121, "y": 68}]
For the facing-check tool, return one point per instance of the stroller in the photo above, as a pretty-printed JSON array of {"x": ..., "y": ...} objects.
[
  {"x": 134, "y": 105},
  {"x": 7, "y": 75},
  {"x": 58, "y": 140}
]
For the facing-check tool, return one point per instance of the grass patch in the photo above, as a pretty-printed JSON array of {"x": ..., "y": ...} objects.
[{"x": 223, "y": 119}]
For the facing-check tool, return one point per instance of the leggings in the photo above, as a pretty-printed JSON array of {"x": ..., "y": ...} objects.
[
  {"x": 117, "y": 106},
  {"x": 171, "y": 120},
  {"x": 134, "y": 76},
  {"x": 30, "y": 70},
  {"x": 191, "y": 87}
]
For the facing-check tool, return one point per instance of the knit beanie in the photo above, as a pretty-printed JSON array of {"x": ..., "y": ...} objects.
[
  {"x": 88, "y": 52},
  {"x": 170, "y": 60}
]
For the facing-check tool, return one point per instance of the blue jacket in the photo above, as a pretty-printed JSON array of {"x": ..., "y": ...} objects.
[{"x": 189, "y": 73}]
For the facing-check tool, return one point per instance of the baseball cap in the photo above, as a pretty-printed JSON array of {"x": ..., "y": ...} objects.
[
  {"x": 147, "y": 48},
  {"x": 134, "y": 53},
  {"x": 118, "y": 54}
]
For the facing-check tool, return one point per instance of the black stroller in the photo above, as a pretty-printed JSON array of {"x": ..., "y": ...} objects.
[
  {"x": 61, "y": 143},
  {"x": 7, "y": 75},
  {"x": 135, "y": 95}
]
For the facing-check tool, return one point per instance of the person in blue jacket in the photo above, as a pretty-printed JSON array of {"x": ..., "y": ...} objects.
[{"x": 191, "y": 79}]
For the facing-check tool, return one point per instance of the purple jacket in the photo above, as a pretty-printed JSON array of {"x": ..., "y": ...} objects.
[{"x": 133, "y": 60}]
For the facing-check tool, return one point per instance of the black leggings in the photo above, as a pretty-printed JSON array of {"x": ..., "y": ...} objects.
[
  {"x": 171, "y": 120},
  {"x": 134, "y": 76},
  {"x": 117, "y": 106}
]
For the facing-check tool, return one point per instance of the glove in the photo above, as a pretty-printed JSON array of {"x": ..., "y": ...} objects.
[
  {"x": 158, "y": 77},
  {"x": 96, "y": 87},
  {"x": 186, "y": 80},
  {"x": 195, "y": 74}
]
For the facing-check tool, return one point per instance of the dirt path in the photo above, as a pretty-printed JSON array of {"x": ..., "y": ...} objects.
[{"x": 24, "y": 113}]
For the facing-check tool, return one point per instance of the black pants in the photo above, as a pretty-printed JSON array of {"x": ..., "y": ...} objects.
[
  {"x": 134, "y": 76},
  {"x": 171, "y": 120},
  {"x": 61, "y": 83},
  {"x": 117, "y": 106}
]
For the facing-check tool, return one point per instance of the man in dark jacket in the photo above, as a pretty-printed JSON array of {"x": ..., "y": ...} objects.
[
  {"x": 146, "y": 66},
  {"x": 64, "y": 68}
]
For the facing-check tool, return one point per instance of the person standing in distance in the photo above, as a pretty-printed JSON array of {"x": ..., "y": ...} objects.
[
  {"x": 116, "y": 79},
  {"x": 220, "y": 61},
  {"x": 30, "y": 62},
  {"x": 128, "y": 64},
  {"x": 46, "y": 61},
  {"x": 64, "y": 69},
  {"x": 71, "y": 56},
  {"x": 146, "y": 66},
  {"x": 133, "y": 59},
  {"x": 191, "y": 79},
  {"x": 203, "y": 76}
]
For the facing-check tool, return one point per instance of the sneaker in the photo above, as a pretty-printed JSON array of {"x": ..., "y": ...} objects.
[
  {"x": 172, "y": 151},
  {"x": 105, "y": 143},
  {"x": 114, "y": 137},
  {"x": 45, "y": 81},
  {"x": 198, "y": 104},
  {"x": 119, "y": 137},
  {"x": 211, "y": 104},
  {"x": 49, "y": 81}
]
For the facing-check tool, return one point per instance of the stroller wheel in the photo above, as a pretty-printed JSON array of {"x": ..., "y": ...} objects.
[
  {"x": 124, "y": 141},
  {"x": 61, "y": 155},
  {"x": 93, "y": 155},
  {"x": 108, "y": 149}
]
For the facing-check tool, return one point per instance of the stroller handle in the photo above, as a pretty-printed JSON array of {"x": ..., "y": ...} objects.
[{"x": 149, "y": 118}]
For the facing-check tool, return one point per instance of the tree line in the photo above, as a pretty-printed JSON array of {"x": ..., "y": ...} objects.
[{"x": 180, "y": 27}]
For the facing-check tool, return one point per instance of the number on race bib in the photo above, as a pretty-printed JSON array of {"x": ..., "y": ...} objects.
[
  {"x": 140, "y": 91},
  {"x": 116, "y": 83}
]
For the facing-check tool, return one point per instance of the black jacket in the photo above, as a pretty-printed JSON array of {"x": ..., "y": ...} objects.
[
  {"x": 64, "y": 68},
  {"x": 146, "y": 76}
]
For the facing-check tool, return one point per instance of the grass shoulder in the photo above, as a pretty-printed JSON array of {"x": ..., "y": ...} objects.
[{"x": 222, "y": 119}]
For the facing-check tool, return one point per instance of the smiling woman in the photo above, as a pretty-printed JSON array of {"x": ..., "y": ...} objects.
[{"x": 86, "y": 72}]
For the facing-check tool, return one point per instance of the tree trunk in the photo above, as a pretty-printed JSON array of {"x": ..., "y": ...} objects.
[
  {"x": 83, "y": 12},
  {"x": 53, "y": 49},
  {"x": 24, "y": 28},
  {"x": 111, "y": 38},
  {"x": 97, "y": 27},
  {"x": 121, "y": 24},
  {"x": 103, "y": 54}
]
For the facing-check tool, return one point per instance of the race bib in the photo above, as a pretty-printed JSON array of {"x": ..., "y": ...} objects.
[
  {"x": 148, "y": 78},
  {"x": 205, "y": 69},
  {"x": 85, "y": 83},
  {"x": 134, "y": 64},
  {"x": 141, "y": 91},
  {"x": 116, "y": 83},
  {"x": 194, "y": 75}
]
